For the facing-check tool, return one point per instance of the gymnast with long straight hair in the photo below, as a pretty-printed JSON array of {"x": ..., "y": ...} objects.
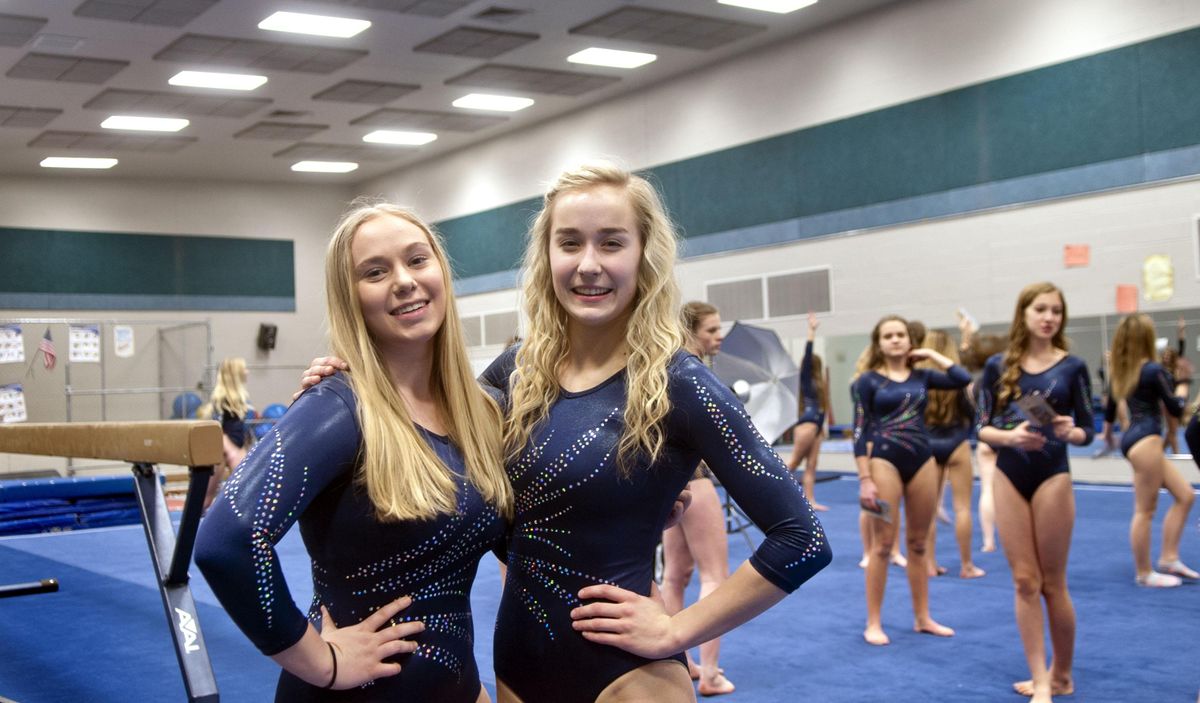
[
  {"x": 814, "y": 404},
  {"x": 395, "y": 476},
  {"x": 1145, "y": 387}
]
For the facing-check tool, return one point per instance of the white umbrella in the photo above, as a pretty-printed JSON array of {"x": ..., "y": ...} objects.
[{"x": 756, "y": 356}]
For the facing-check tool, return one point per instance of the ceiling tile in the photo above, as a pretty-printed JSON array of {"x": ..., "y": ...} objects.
[
  {"x": 163, "y": 13},
  {"x": 174, "y": 103},
  {"x": 259, "y": 54},
  {"x": 476, "y": 43},
  {"x": 535, "y": 80},
  {"x": 95, "y": 141},
  {"x": 369, "y": 92},
  {"x": 16, "y": 30},
  {"x": 337, "y": 152},
  {"x": 427, "y": 8},
  {"x": 428, "y": 120},
  {"x": 667, "y": 28},
  {"x": 284, "y": 131},
  {"x": 69, "y": 69},
  {"x": 14, "y": 116}
]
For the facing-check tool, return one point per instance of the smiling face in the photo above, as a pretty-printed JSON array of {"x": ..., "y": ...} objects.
[
  {"x": 893, "y": 339},
  {"x": 1044, "y": 316},
  {"x": 595, "y": 253},
  {"x": 399, "y": 283}
]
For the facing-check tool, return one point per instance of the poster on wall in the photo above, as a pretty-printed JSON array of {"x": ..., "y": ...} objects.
[
  {"x": 123, "y": 341},
  {"x": 1158, "y": 278},
  {"x": 12, "y": 403},
  {"x": 12, "y": 344},
  {"x": 85, "y": 343}
]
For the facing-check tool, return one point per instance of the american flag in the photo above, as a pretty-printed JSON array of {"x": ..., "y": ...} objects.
[{"x": 46, "y": 346}]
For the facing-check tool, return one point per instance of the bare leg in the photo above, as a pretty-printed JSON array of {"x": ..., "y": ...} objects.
[
  {"x": 920, "y": 503},
  {"x": 959, "y": 471},
  {"x": 931, "y": 563},
  {"x": 704, "y": 525},
  {"x": 678, "y": 566},
  {"x": 664, "y": 681},
  {"x": 1053, "y": 523},
  {"x": 864, "y": 531},
  {"x": 883, "y": 536},
  {"x": 1177, "y": 515},
  {"x": 1146, "y": 457},
  {"x": 810, "y": 470},
  {"x": 985, "y": 456}
]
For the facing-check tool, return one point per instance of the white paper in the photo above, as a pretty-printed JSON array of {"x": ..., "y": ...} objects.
[
  {"x": 12, "y": 344},
  {"x": 84, "y": 343},
  {"x": 123, "y": 341},
  {"x": 12, "y": 403}
]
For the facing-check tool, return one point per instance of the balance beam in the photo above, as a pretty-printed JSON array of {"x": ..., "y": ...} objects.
[{"x": 198, "y": 446}]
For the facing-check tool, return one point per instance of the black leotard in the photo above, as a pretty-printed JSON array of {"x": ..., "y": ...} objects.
[{"x": 1154, "y": 388}]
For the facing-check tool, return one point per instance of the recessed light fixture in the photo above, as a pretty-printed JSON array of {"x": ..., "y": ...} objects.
[
  {"x": 76, "y": 162},
  {"x": 223, "y": 81},
  {"x": 388, "y": 136},
  {"x": 320, "y": 25},
  {"x": 781, "y": 7},
  {"x": 325, "y": 166},
  {"x": 145, "y": 124},
  {"x": 498, "y": 103},
  {"x": 613, "y": 58}
]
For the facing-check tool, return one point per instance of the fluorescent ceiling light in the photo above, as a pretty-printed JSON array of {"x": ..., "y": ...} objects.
[
  {"x": 325, "y": 166},
  {"x": 778, "y": 6},
  {"x": 499, "y": 103},
  {"x": 145, "y": 124},
  {"x": 320, "y": 25},
  {"x": 224, "y": 81},
  {"x": 76, "y": 162},
  {"x": 388, "y": 136},
  {"x": 613, "y": 58}
]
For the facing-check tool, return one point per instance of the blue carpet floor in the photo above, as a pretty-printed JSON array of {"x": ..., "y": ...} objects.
[{"x": 103, "y": 637}]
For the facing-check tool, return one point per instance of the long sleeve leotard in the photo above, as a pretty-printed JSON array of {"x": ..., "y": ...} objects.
[
  {"x": 579, "y": 522},
  {"x": 891, "y": 415},
  {"x": 1067, "y": 387},
  {"x": 812, "y": 410},
  {"x": 305, "y": 469},
  {"x": 1154, "y": 388}
]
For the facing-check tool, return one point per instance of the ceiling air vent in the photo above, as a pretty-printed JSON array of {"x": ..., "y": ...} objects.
[
  {"x": 57, "y": 42},
  {"x": 500, "y": 15}
]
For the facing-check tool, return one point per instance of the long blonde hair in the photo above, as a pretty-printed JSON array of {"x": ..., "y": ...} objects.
[
  {"x": 403, "y": 476},
  {"x": 943, "y": 408},
  {"x": 653, "y": 334},
  {"x": 1018, "y": 340},
  {"x": 229, "y": 395},
  {"x": 1132, "y": 346}
]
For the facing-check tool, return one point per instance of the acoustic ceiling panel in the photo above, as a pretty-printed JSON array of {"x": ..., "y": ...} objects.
[
  {"x": 428, "y": 120},
  {"x": 15, "y": 116},
  {"x": 652, "y": 26},
  {"x": 231, "y": 52},
  {"x": 283, "y": 131},
  {"x": 476, "y": 43},
  {"x": 67, "y": 69},
  {"x": 370, "y": 92},
  {"x": 164, "y": 13},
  {"x": 336, "y": 152},
  {"x": 115, "y": 100},
  {"x": 427, "y": 8},
  {"x": 15, "y": 30},
  {"x": 95, "y": 141},
  {"x": 534, "y": 80}
]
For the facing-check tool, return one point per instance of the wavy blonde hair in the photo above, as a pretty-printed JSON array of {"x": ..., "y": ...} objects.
[
  {"x": 653, "y": 333},
  {"x": 403, "y": 476},
  {"x": 943, "y": 408},
  {"x": 1132, "y": 346},
  {"x": 229, "y": 394},
  {"x": 1018, "y": 340}
]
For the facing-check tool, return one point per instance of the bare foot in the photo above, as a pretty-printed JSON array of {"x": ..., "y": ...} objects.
[
  {"x": 719, "y": 686},
  {"x": 988, "y": 547},
  {"x": 899, "y": 560},
  {"x": 876, "y": 636},
  {"x": 970, "y": 571},
  {"x": 693, "y": 670},
  {"x": 818, "y": 507},
  {"x": 937, "y": 570},
  {"x": 930, "y": 627},
  {"x": 1064, "y": 687}
]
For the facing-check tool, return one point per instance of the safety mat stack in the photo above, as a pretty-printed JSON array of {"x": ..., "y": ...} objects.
[{"x": 58, "y": 504}]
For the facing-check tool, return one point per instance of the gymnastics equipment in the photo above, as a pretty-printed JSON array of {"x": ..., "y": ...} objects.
[{"x": 195, "y": 444}]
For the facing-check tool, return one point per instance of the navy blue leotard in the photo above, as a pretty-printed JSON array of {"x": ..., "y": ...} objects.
[
  {"x": 812, "y": 410},
  {"x": 305, "y": 469},
  {"x": 1067, "y": 387},
  {"x": 944, "y": 439},
  {"x": 1154, "y": 388},
  {"x": 578, "y": 522},
  {"x": 891, "y": 415},
  {"x": 1191, "y": 436}
]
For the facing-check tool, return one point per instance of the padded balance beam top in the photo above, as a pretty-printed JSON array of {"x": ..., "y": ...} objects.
[{"x": 192, "y": 443}]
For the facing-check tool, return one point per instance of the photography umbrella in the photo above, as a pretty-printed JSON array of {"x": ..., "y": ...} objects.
[{"x": 756, "y": 356}]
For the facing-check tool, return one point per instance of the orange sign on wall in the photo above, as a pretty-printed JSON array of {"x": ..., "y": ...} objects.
[
  {"x": 1127, "y": 298},
  {"x": 1075, "y": 255}
]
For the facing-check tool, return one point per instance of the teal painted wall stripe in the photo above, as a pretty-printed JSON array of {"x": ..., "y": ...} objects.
[
  {"x": 57, "y": 269},
  {"x": 1092, "y": 123}
]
